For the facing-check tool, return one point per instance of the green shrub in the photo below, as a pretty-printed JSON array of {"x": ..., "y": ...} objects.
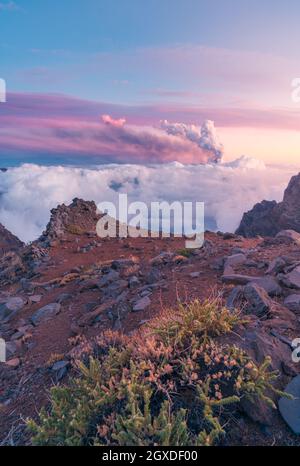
[
  {"x": 168, "y": 386},
  {"x": 198, "y": 319}
]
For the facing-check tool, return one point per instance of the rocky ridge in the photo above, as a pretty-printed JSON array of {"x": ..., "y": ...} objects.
[{"x": 8, "y": 241}]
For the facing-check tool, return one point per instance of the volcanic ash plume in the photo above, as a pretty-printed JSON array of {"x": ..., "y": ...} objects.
[{"x": 205, "y": 136}]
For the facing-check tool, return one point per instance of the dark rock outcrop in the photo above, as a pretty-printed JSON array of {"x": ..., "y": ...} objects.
[
  {"x": 268, "y": 218},
  {"x": 8, "y": 241},
  {"x": 80, "y": 216}
]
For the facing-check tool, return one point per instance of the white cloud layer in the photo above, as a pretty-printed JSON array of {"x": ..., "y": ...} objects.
[{"x": 28, "y": 192}]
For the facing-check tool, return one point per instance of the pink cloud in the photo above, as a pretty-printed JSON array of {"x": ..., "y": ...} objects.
[
  {"x": 59, "y": 124},
  {"x": 117, "y": 123}
]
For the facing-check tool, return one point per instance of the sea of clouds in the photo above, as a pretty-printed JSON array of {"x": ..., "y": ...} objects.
[{"x": 28, "y": 192}]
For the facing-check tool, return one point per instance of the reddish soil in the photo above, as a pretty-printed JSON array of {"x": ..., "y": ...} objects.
[{"x": 25, "y": 389}]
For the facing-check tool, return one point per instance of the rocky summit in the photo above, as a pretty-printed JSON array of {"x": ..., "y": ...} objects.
[
  {"x": 8, "y": 241},
  {"x": 268, "y": 218},
  {"x": 71, "y": 294},
  {"x": 79, "y": 216}
]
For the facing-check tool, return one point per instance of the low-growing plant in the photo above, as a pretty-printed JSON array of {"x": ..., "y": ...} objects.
[
  {"x": 167, "y": 386},
  {"x": 201, "y": 319}
]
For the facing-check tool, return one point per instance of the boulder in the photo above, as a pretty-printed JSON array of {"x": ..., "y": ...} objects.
[
  {"x": 163, "y": 258},
  {"x": 292, "y": 279},
  {"x": 60, "y": 368},
  {"x": 292, "y": 302},
  {"x": 153, "y": 276},
  {"x": 11, "y": 348},
  {"x": 58, "y": 365},
  {"x": 258, "y": 411},
  {"x": 258, "y": 301},
  {"x": 90, "y": 317},
  {"x": 235, "y": 260},
  {"x": 13, "y": 363},
  {"x": 35, "y": 298},
  {"x": 290, "y": 234},
  {"x": 45, "y": 313},
  {"x": 134, "y": 282},
  {"x": 236, "y": 279},
  {"x": 269, "y": 284},
  {"x": 259, "y": 344},
  {"x": 141, "y": 304},
  {"x": 109, "y": 277},
  {"x": 290, "y": 408},
  {"x": 276, "y": 265},
  {"x": 234, "y": 300},
  {"x": 11, "y": 307},
  {"x": 15, "y": 303}
]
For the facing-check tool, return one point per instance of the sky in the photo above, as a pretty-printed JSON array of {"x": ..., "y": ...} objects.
[{"x": 96, "y": 80}]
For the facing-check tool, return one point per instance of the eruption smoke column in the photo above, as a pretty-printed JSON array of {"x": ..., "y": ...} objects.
[{"x": 205, "y": 136}]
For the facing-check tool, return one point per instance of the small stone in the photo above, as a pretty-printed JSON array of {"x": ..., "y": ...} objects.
[
  {"x": 58, "y": 365},
  {"x": 146, "y": 292},
  {"x": 141, "y": 304},
  {"x": 35, "y": 298},
  {"x": 133, "y": 282},
  {"x": 195, "y": 274},
  {"x": 75, "y": 270},
  {"x": 13, "y": 363},
  {"x": 74, "y": 328}
]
